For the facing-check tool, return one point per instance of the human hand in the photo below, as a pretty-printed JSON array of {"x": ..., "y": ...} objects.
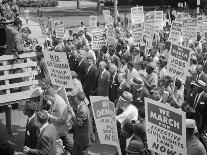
[{"x": 26, "y": 149}]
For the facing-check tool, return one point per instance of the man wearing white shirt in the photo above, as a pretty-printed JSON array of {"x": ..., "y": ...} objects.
[{"x": 132, "y": 71}]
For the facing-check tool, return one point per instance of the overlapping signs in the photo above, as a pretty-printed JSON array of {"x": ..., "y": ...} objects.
[
  {"x": 105, "y": 119},
  {"x": 189, "y": 31},
  {"x": 59, "y": 29},
  {"x": 179, "y": 61},
  {"x": 58, "y": 68},
  {"x": 137, "y": 14},
  {"x": 166, "y": 128},
  {"x": 175, "y": 32},
  {"x": 98, "y": 38}
]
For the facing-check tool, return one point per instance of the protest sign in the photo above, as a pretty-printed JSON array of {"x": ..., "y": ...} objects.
[
  {"x": 149, "y": 33},
  {"x": 59, "y": 29},
  {"x": 179, "y": 61},
  {"x": 158, "y": 20},
  {"x": 149, "y": 18},
  {"x": 58, "y": 68},
  {"x": 98, "y": 38},
  {"x": 105, "y": 119},
  {"x": 137, "y": 32},
  {"x": 137, "y": 14},
  {"x": 175, "y": 32},
  {"x": 189, "y": 31},
  {"x": 42, "y": 26},
  {"x": 181, "y": 15},
  {"x": 111, "y": 38},
  {"x": 106, "y": 15},
  {"x": 166, "y": 128},
  {"x": 92, "y": 21}
]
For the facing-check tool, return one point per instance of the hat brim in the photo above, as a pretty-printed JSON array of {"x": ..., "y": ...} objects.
[
  {"x": 125, "y": 100},
  {"x": 132, "y": 82},
  {"x": 131, "y": 152}
]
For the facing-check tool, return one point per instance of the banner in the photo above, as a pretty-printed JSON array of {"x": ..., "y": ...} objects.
[
  {"x": 166, "y": 128},
  {"x": 105, "y": 119},
  {"x": 98, "y": 38},
  {"x": 92, "y": 21},
  {"x": 58, "y": 68},
  {"x": 42, "y": 27},
  {"x": 137, "y": 15},
  {"x": 175, "y": 32},
  {"x": 137, "y": 32},
  {"x": 179, "y": 61},
  {"x": 158, "y": 20},
  {"x": 59, "y": 29},
  {"x": 106, "y": 15},
  {"x": 189, "y": 31}
]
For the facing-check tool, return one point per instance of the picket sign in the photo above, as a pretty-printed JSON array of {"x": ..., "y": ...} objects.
[{"x": 29, "y": 72}]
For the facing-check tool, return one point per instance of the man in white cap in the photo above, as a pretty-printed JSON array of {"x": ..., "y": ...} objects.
[{"x": 194, "y": 146}]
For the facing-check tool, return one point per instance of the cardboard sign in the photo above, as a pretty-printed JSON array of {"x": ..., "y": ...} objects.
[
  {"x": 166, "y": 128},
  {"x": 189, "y": 31},
  {"x": 175, "y": 32},
  {"x": 58, "y": 68},
  {"x": 93, "y": 21},
  {"x": 59, "y": 29},
  {"x": 106, "y": 15},
  {"x": 111, "y": 38},
  {"x": 98, "y": 38},
  {"x": 149, "y": 33},
  {"x": 158, "y": 20},
  {"x": 179, "y": 61},
  {"x": 137, "y": 32},
  {"x": 105, "y": 119},
  {"x": 149, "y": 17},
  {"x": 137, "y": 15},
  {"x": 42, "y": 26}
]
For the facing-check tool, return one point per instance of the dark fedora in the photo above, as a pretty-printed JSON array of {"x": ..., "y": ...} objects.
[
  {"x": 135, "y": 147},
  {"x": 137, "y": 81},
  {"x": 126, "y": 96}
]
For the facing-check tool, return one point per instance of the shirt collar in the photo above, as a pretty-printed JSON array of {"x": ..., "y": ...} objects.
[
  {"x": 30, "y": 118},
  {"x": 43, "y": 126}
]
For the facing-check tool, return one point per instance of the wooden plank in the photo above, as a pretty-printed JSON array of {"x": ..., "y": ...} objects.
[
  {"x": 6, "y": 73},
  {"x": 18, "y": 75},
  {"x": 5, "y": 99},
  {"x": 24, "y": 55},
  {"x": 16, "y": 85},
  {"x": 22, "y": 65}
]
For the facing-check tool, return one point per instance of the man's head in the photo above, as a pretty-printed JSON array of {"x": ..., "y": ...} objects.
[
  {"x": 102, "y": 65},
  {"x": 199, "y": 69},
  {"x": 113, "y": 69},
  {"x": 90, "y": 60},
  {"x": 121, "y": 77},
  {"x": 42, "y": 117},
  {"x": 150, "y": 67},
  {"x": 137, "y": 83},
  {"x": 25, "y": 32},
  {"x": 80, "y": 97},
  {"x": 18, "y": 23},
  {"x": 50, "y": 94},
  {"x": 29, "y": 109}
]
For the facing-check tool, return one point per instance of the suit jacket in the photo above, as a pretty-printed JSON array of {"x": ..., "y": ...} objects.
[
  {"x": 113, "y": 89},
  {"x": 81, "y": 71},
  {"x": 83, "y": 132},
  {"x": 91, "y": 80},
  {"x": 32, "y": 133},
  {"x": 116, "y": 60},
  {"x": 123, "y": 87},
  {"x": 203, "y": 77},
  {"x": 46, "y": 143},
  {"x": 103, "y": 84}
]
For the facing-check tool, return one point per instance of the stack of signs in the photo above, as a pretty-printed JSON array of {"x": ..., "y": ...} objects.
[
  {"x": 105, "y": 119},
  {"x": 175, "y": 32},
  {"x": 93, "y": 21},
  {"x": 137, "y": 32},
  {"x": 158, "y": 20},
  {"x": 58, "y": 68},
  {"x": 59, "y": 29},
  {"x": 179, "y": 61},
  {"x": 166, "y": 128},
  {"x": 189, "y": 31},
  {"x": 106, "y": 15},
  {"x": 182, "y": 15},
  {"x": 137, "y": 16},
  {"x": 42, "y": 26},
  {"x": 98, "y": 38},
  {"x": 111, "y": 38}
]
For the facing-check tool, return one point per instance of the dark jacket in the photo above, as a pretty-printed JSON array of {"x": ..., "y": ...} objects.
[
  {"x": 81, "y": 70},
  {"x": 83, "y": 132},
  {"x": 46, "y": 143},
  {"x": 113, "y": 89},
  {"x": 103, "y": 84},
  {"x": 31, "y": 133}
]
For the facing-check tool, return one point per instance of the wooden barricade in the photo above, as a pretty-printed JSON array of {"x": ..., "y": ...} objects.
[{"x": 17, "y": 77}]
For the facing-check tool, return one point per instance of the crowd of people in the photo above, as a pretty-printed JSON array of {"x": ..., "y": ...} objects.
[{"x": 122, "y": 71}]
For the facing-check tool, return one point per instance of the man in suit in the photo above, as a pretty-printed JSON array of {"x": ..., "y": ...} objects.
[
  {"x": 32, "y": 129},
  {"x": 114, "y": 58},
  {"x": 83, "y": 133},
  {"x": 103, "y": 80},
  {"x": 90, "y": 83},
  {"x": 114, "y": 83},
  {"x": 123, "y": 84},
  {"x": 81, "y": 68},
  {"x": 46, "y": 143}
]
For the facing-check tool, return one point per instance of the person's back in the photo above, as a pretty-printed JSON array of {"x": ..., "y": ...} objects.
[{"x": 195, "y": 147}]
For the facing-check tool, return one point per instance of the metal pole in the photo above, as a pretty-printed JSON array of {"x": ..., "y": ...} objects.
[{"x": 115, "y": 11}]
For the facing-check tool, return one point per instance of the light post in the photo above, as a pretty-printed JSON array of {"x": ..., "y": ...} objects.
[{"x": 115, "y": 11}]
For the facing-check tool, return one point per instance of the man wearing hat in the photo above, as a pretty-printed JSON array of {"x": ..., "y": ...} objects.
[
  {"x": 151, "y": 80},
  {"x": 32, "y": 129},
  {"x": 139, "y": 91},
  {"x": 46, "y": 143},
  {"x": 136, "y": 147},
  {"x": 194, "y": 146}
]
